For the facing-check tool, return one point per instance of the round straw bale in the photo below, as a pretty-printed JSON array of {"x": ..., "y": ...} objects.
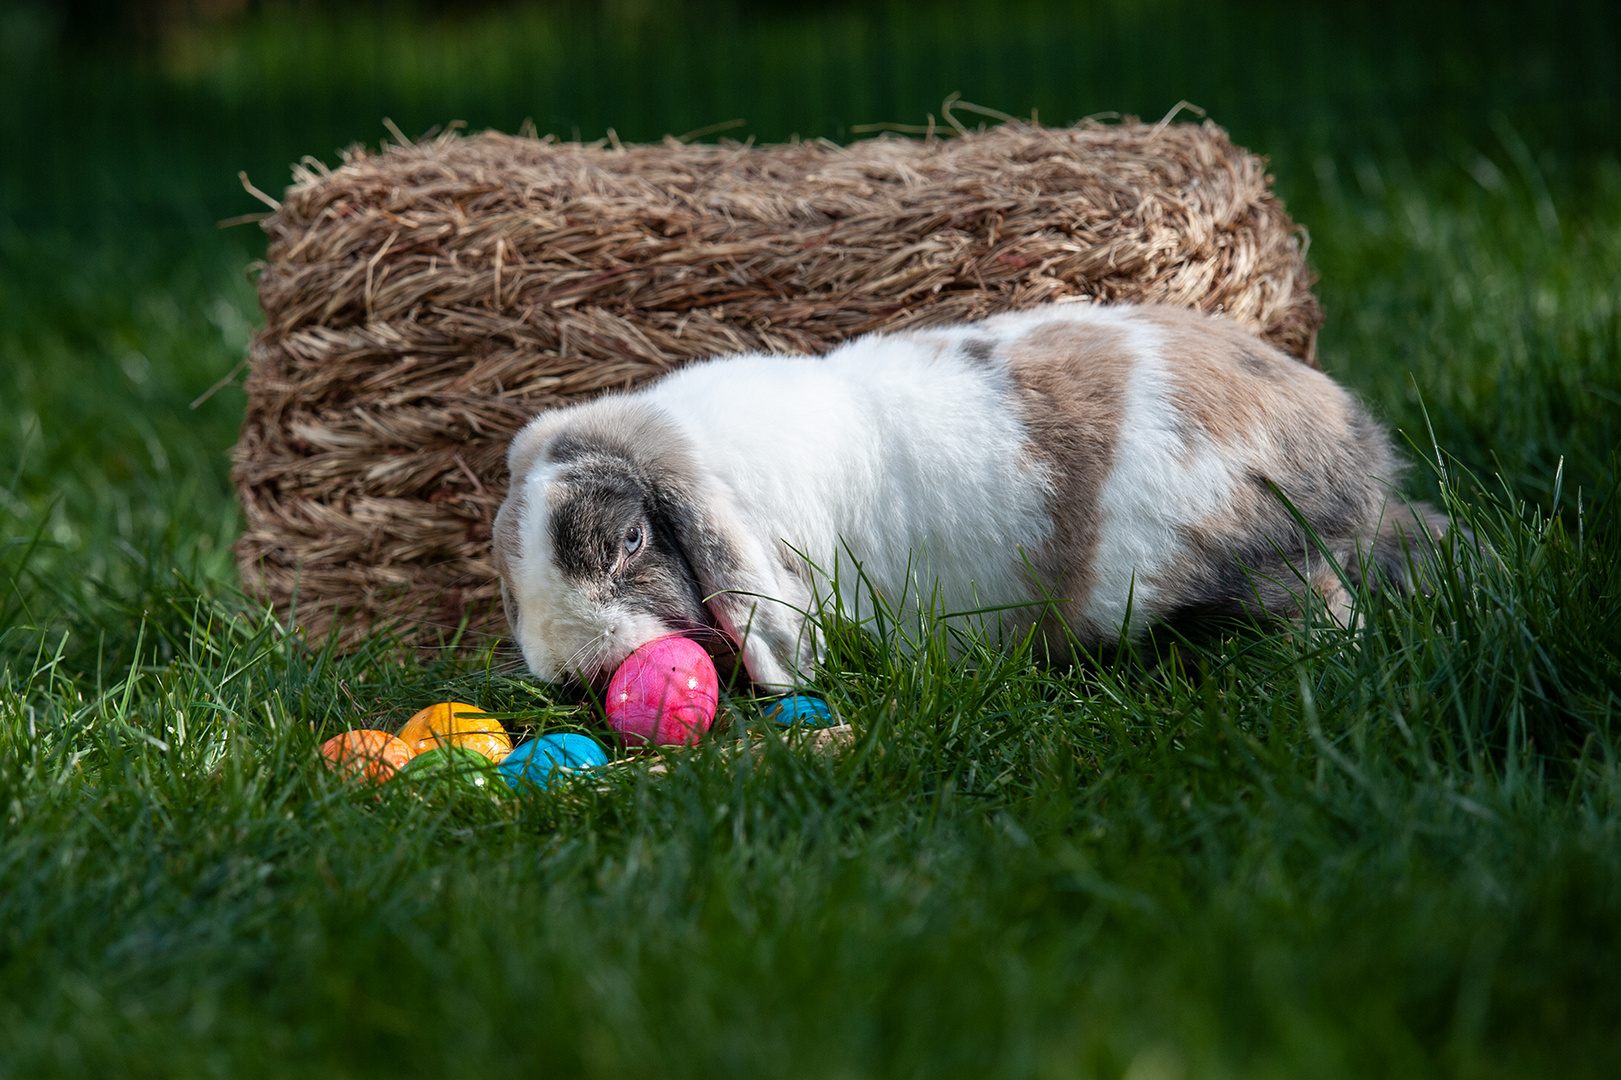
[{"x": 424, "y": 301}]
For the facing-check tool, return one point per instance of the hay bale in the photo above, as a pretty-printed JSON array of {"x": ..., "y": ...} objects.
[{"x": 423, "y": 302}]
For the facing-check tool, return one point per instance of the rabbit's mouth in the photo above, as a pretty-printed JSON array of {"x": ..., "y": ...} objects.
[{"x": 720, "y": 646}]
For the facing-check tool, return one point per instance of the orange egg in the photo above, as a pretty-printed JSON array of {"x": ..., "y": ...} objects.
[
  {"x": 451, "y": 723},
  {"x": 366, "y": 754}
]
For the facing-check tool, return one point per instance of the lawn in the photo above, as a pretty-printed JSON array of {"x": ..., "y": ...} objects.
[{"x": 1240, "y": 853}]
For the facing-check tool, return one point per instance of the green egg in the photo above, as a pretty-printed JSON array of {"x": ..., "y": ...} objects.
[{"x": 450, "y": 766}]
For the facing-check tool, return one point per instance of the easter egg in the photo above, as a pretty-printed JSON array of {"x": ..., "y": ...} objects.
[
  {"x": 665, "y": 692},
  {"x": 452, "y": 723},
  {"x": 366, "y": 754},
  {"x": 800, "y": 709},
  {"x": 535, "y": 760},
  {"x": 450, "y": 765}
]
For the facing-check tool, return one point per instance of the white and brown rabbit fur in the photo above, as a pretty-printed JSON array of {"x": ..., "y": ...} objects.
[{"x": 1085, "y": 462}]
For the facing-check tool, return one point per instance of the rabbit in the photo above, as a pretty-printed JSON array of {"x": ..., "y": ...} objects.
[{"x": 1075, "y": 471}]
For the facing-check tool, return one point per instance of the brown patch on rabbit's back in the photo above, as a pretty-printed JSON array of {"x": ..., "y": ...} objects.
[
  {"x": 1070, "y": 383},
  {"x": 1283, "y": 428},
  {"x": 1229, "y": 384},
  {"x": 1274, "y": 420}
]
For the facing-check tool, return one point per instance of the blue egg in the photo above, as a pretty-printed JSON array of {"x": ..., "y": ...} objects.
[
  {"x": 800, "y": 709},
  {"x": 535, "y": 760}
]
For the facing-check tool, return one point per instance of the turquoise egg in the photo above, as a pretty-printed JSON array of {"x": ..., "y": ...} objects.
[
  {"x": 800, "y": 709},
  {"x": 535, "y": 760}
]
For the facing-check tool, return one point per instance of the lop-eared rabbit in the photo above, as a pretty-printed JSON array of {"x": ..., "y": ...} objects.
[{"x": 1068, "y": 468}]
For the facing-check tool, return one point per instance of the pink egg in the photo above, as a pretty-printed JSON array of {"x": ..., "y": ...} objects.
[{"x": 665, "y": 692}]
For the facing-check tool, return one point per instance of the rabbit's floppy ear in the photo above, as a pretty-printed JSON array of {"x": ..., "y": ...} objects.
[
  {"x": 754, "y": 596},
  {"x": 526, "y": 446}
]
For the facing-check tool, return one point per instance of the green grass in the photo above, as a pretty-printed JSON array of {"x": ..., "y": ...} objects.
[{"x": 1396, "y": 852}]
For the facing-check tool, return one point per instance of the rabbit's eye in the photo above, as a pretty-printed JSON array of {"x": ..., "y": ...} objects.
[{"x": 633, "y": 539}]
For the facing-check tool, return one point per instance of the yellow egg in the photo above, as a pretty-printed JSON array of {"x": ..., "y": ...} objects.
[{"x": 452, "y": 723}]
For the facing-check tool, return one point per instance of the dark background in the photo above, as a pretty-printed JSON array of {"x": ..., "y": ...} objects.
[{"x": 119, "y": 110}]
